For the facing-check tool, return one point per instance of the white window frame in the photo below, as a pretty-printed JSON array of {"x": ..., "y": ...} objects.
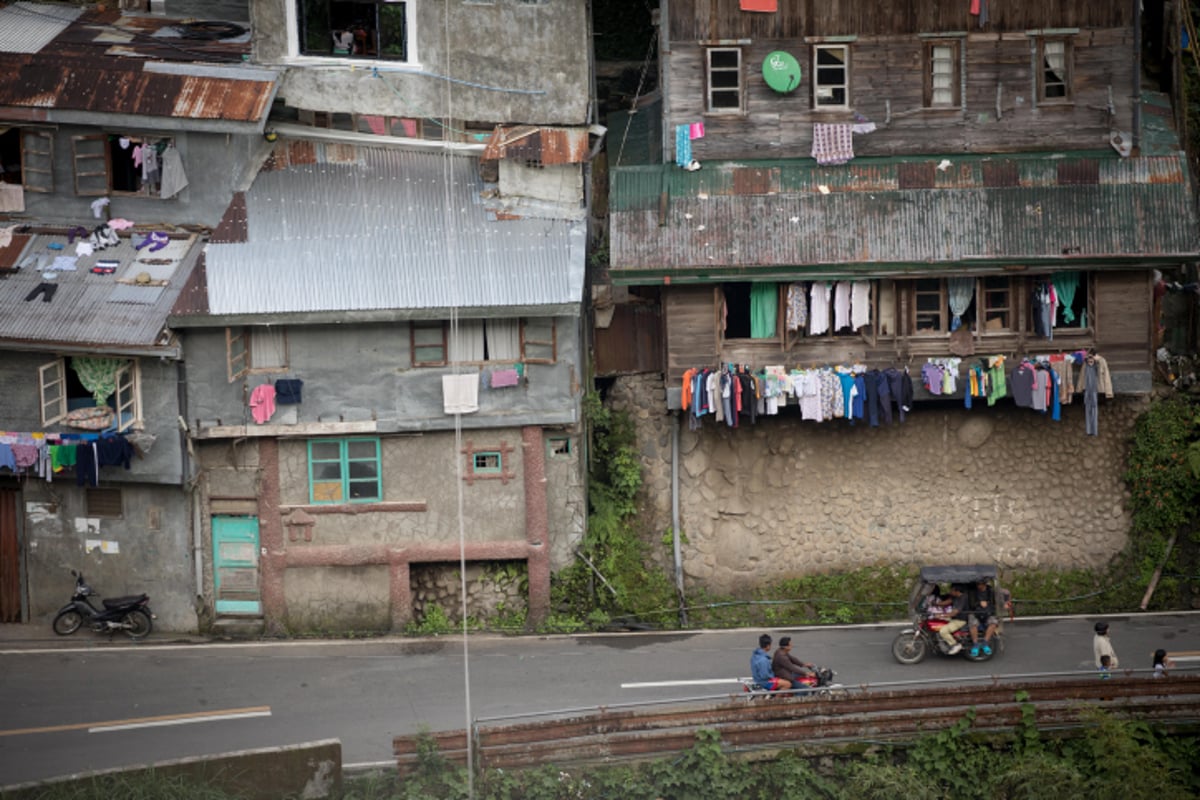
[
  {"x": 820, "y": 88},
  {"x": 410, "y": 24},
  {"x": 128, "y": 396},
  {"x": 52, "y": 391},
  {"x": 53, "y": 376},
  {"x": 710, "y": 90}
]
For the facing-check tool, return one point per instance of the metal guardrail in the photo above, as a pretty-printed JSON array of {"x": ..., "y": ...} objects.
[{"x": 894, "y": 712}]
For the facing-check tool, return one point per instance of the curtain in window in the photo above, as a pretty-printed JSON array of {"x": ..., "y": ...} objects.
[
  {"x": 763, "y": 308},
  {"x": 467, "y": 343},
  {"x": 98, "y": 375},
  {"x": 503, "y": 339},
  {"x": 1065, "y": 284},
  {"x": 943, "y": 75},
  {"x": 1056, "y": 59},
  {"x": 962, "y": 292},
  {"x": 268, "y": 348}
]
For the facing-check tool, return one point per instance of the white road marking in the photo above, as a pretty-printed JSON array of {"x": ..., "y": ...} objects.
[
  {"x": 181, "y": 720},
  {"x": 660, "y": 684}
]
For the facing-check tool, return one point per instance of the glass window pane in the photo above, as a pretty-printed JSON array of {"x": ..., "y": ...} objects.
[
  {"x": 327, "y": 471},
  {"x": 724, "y": 59},
  {"x": 363, "y": 469},
  {"x": 827, "y": 55},
  {"x": 725, "y": 80},
  {"x": 725, "y": 99},
  {"x": 364, "y": 490},
  {"x": 361, "y": 449},
  {"x": 392, "y": 39},
  {"x": 326, "y": 451},
  {"x": 830, "y": 75},
  {"x": 328, "y": 492}
]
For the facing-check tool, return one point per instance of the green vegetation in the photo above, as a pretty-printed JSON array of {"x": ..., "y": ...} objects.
[
  {"x": 1163, "y": 465},
  {"x": 631, "y": 584}
]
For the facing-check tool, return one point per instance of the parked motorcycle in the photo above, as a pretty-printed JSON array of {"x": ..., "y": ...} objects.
[
  {"x": 914, "y": 643},
  {"x": 130, "y": 614}
]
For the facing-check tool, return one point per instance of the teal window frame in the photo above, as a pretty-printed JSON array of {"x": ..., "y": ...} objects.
[
  {"x": 553, "y": 444},
  {"x": 346, "y": 460},
  {"x": 478, "y": 470}
]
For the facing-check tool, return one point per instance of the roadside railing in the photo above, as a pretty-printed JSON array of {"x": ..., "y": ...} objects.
[{"x": 814, "y": 723}]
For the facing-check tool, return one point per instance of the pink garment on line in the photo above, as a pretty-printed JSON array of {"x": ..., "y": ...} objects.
[
  {"x": 696, "y": 130},
  {"x": 262, "y": 402}
]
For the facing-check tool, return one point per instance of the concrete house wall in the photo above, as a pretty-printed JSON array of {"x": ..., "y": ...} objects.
[
  {"x": 153, "y": 532},
  {"x": 490, "y": 45}
]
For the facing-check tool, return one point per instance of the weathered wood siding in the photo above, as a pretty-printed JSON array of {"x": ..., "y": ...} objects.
[
  {"x": 1123, "y": 319},
  {"x": 712, "y": 19},
  {"x": 1119, "y": 308},
  {"x": 999, "y": 111}
]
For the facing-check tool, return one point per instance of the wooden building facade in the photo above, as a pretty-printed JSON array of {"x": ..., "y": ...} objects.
[{"x": 962, "y": 164}]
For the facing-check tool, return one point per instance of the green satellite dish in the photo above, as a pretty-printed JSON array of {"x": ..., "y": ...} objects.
[{"x": 781, "y": 72}]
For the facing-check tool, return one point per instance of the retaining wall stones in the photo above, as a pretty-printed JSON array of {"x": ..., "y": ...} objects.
[
  {"x": 490, "y": 589},
  {"x": 787, "y": 497}
]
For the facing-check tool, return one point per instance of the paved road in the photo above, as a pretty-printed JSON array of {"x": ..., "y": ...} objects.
[{"x": 67, "y": 710}]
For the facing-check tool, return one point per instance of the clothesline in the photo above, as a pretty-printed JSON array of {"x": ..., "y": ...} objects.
[{"x": 43, "y": 454}]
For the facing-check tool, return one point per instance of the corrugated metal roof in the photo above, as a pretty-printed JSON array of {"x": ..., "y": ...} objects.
[
  {"x": 95, "y": 311},
  {"x": 28, "y": 27},
  {"x": 797, "y": 214},
  {"x": 107, "y": 63},
  {"x": 386, "y": 229}
]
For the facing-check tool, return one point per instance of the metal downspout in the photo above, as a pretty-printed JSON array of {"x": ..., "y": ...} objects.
[
  {"x": 683, "y": 621},
  {"x": 185, "y": 472},
  {"x": 1137, "y": 75}
]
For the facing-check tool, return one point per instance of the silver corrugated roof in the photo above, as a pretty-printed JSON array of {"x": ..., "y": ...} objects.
[
  {"x": 388, "y": 229},
  {"x": 28, "y": 27},
  {"x": 89, "y": 311}
]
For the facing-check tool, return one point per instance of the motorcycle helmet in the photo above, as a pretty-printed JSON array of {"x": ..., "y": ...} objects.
[{"x": 1101, "y": 627}]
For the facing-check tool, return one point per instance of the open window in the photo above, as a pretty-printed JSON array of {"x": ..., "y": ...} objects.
[
  {"x": 118, "y": 164},
  {"x": 357, "y": 29},
  {"x": 62, "y": 389},
  {"x": 27, "y": 159},
  {"x": 831, "y": 76},
  {"x": 258, "y": 350}
]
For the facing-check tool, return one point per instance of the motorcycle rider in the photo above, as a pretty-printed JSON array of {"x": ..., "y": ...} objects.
[
  {"x": 760, "y": 667},
  {"x": 787, "y": 666},
  {"x": 956, "y": 619},
  {"x": 983, "y": 607}
]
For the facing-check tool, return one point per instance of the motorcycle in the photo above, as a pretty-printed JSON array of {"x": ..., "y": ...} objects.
[
  {"x": 819, "y": 682},
  {"x": 130, "y": 614},
  {"x": 914, "y": 643}
]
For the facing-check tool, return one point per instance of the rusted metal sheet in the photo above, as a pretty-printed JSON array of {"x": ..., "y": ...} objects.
[
  {"x": 105, "y": 62},
  {"x": 538, "y": 145}
]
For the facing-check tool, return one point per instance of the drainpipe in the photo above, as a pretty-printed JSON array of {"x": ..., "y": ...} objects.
[
  {"x": 683, "y": 621},
  {"x": 664, "y": 80},
  {"x": 1137, "y": 74},
  {"x": 185, "y": 472}
]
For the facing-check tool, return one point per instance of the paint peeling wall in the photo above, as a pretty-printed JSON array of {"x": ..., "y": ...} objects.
[
  {"x": 510, "y": 61},
  {"x": 363, "y": 372},
  {"x": 202, "y": 202}
]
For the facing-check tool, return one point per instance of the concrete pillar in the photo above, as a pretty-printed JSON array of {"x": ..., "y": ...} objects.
[
  {"x": 537, "y": 523},
  {"x": 273, "y": 564}
]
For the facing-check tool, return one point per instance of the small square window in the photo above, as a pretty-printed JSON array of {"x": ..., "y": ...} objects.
[
  {"x": 558, "y": 446},
  {"x": 344, "y": 470},
  {"x": 487, "y": 463},
  {"x": 104, "y": 503}
]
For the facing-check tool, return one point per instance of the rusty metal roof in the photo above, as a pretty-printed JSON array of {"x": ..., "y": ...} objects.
[
  {"x": 104, "y": 62},
  {"x": 903, "y": 215},
  {"x": 89, "y": 311},
  {"x": 539, "y": 145}
]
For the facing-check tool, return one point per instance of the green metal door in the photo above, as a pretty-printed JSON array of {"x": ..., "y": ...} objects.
[{"x": 235, "y": 564}]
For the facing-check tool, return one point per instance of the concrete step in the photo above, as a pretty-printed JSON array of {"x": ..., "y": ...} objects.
[{"x": 238, "y": 627}]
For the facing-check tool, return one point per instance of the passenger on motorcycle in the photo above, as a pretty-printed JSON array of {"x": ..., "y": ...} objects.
[
  {"x": 983, "y": 614},
  {"x": 760, "y": 667},
  {"x": 957, "y": 619},
  {"x": 787, "y": 666}
]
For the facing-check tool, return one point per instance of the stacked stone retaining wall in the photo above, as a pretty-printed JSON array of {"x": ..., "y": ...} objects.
[{"x": 786, "y": 497}]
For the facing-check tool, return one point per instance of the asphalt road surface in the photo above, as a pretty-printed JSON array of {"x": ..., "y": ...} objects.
[{"x": 65, "y": 711}]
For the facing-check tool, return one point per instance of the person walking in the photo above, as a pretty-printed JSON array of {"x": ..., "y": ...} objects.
[
  {"x": 1102, "y": 646},
  {"x": 1162, "y": 663}
]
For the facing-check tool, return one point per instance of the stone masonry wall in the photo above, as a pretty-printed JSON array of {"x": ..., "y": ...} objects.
[{"x": 788, "y": 497}]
